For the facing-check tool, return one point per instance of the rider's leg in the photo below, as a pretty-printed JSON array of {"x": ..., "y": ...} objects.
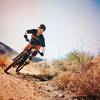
[
  {"x": 34, "y": 53},
  {"x": 29, "y": 59},
  {"x": 28, "y": 46}
]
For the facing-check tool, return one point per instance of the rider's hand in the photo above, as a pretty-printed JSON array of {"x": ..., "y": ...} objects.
[
  {"x": 27, "y": 39},
  {"x": 25, "y": 36},
  {"x": 42, "y": 54}
]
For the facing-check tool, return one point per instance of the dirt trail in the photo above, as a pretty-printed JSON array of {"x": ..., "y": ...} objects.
[
  {"x": 17, "y": 88},
  {"x": 26, "y": 86}
]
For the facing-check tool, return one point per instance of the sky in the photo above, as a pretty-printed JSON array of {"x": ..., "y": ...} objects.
[{"x": 71, "y": 24}]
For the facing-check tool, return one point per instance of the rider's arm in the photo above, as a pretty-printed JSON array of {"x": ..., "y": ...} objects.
[{"x": 32, "y": 31}]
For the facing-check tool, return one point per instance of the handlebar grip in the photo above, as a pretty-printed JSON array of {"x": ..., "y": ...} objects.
[{"x": 25, "y": 36}]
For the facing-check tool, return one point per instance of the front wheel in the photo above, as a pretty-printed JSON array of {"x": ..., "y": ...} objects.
[{"x": 15, "y": 63}]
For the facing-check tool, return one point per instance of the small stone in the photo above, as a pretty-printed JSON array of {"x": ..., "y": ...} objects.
[
  {"x": 48, "y": 91},
  {"x": 62, "y": 96},
  {"x": 10, "y": 99},
  {"x": 26, "y": 84}
]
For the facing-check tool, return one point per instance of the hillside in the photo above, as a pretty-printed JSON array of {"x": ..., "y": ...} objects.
[{"x": 6, "y": 50}]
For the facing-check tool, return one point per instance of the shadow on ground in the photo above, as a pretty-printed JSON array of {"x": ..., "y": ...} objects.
[{"x": 30, "y": 77}]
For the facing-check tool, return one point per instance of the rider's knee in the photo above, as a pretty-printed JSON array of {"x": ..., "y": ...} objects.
[{"x": 34, "y": 53}]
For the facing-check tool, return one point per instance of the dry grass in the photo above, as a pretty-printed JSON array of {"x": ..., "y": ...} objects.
[
  {"x": 84, "y": 83},
  {"x": 81, "y": 75},
  {"x": 66, "y": 81},
  {"x": 76, "y": 62},
  {"x": 81, "y": 59},
  {"x": 89, "y": 82}
]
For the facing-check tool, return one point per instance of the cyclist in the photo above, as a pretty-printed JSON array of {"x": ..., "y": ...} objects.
[{"x": 37, "y": 39}]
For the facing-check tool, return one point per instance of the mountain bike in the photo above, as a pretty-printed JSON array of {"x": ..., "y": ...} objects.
[{"x": 20, "y": 61}]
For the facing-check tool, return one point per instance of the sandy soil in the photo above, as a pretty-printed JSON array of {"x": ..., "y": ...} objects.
[{"x": 24, "y": 86}]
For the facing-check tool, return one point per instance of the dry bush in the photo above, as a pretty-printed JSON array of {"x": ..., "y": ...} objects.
[
  {"x": 59, "y": 65},
  {"x": 86, "y": 82},
  {"x": 82, "y": 60},
  {"x": 62, "y": 80},
  {"x": 89, "y": 82},
  {"x": 4, "y": 61},
  {"x": 75, "y": 62},
  {"x": 66, "y": 81}
]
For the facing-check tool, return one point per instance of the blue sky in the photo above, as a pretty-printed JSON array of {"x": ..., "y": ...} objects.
[{"x": 71, "y": 24}]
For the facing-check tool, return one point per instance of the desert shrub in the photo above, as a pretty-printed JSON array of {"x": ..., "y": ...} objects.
[
  {"x": 89, "y": 82},
  {"x": 4, "y": 61},
  {"x": 66, "y": 81},
  {"x": 81, "y": 59},
  {"x": 60, "y": 65},
  {"x": 86, "y": 83},
  {"x": 62, "y": 80},
  {"x": 75, "y": 62}
]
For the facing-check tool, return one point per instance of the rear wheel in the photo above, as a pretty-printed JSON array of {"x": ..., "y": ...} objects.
[{"x": 14, "y": 64}]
